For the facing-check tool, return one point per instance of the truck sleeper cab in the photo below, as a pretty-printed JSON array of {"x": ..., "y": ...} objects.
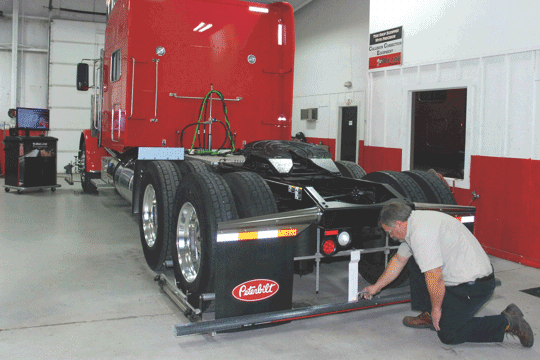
[{"x": 180, "y": 87}]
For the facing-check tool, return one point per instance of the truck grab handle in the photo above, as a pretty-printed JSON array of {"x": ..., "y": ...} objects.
[{"x": 132, "y": 87}]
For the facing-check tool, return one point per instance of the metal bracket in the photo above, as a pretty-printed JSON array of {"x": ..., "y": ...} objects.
[
  {"x": 353, "y": 275},
  {"x": 176, "y": 295}
]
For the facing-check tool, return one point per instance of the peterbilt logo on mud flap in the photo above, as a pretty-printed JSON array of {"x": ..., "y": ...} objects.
[{"x": 255, "y": 290}]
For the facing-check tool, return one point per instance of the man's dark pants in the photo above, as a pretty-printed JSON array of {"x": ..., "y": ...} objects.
[{"x": 460, "y": 304}]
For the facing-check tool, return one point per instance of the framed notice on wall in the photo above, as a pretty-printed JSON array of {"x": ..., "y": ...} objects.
[{"x": 385, "y": 48}]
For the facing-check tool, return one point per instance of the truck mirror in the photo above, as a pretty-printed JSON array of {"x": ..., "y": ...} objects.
[{"x": 82, "y": 77}]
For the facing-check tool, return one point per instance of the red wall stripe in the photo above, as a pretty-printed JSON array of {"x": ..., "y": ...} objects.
[
  {"x": 379, "y": 158},
  {"x": 508, "y": 210}
]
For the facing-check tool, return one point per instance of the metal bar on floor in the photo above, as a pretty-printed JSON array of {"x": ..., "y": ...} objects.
[{"x": 240, "y": 322}]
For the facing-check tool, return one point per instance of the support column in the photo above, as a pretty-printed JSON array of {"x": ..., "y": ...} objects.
[{"x": 14, "y": 53}]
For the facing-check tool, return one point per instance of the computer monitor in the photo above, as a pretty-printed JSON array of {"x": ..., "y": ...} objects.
[{"x": 32, "y": 119}]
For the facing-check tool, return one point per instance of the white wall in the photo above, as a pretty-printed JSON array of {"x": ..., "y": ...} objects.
[
  {"x": 32, "y": 64},
  {"x": 331, "y": 48},
  {"x": 440, "y": 30},
  {"x": 71, "y": 41},
  {"x": 503, "y": 117}
]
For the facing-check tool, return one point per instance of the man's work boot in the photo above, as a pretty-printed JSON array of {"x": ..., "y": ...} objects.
[
  {"x": 421, "y": 321},
  {"x": 518, "y": 326}
]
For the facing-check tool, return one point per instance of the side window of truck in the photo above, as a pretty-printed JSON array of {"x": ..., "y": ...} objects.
[{"x": 115, "y": 65}]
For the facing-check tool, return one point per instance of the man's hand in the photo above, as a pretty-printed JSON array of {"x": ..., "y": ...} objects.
[
  {"x": 436, "y": 317},
  {"x": 396, "y": 264},
  {"x": 368, "y": 292}
]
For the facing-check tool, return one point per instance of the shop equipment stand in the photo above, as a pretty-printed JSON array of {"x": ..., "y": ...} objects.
[{"x": 30, "y": 163}]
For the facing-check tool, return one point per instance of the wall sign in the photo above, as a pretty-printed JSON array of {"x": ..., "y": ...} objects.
[{"x": 385, "y": 48}]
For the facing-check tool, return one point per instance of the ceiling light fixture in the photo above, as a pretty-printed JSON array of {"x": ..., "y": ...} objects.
[
  {"x": 199, "y": 26},
  {"x": 206, "y": 27}
]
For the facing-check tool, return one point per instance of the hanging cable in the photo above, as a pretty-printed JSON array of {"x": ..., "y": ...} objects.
[{"x": 227, "y": 125}]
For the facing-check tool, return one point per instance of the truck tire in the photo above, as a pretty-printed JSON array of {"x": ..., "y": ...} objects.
[
  {"x": 436, "y": 189},
  {"x": 252, "y": 195},
  {"x": 193, "y": 166},
  {"x": 400, "y": 182},
  {"x": 202, "y": 201},
  {"x": 350, "y": 169},
  {"x": 371, "y": 267},
  {"x": 87, "y": 176},
  {"x": 156, "y": 218}
]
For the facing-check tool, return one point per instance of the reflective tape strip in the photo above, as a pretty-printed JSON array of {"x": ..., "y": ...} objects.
[
  {"x": 255, "y": 235},
  {"x": 227, "y": 237},
  {"x": 269, "y": 234},
  {"x": 331, "y": 232},
  {"x": 467, "y": 219}
]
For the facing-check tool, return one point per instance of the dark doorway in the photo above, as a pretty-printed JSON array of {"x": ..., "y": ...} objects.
[
  {"x": 438, "y": 131},
  {"x": 349, "y": 116}
]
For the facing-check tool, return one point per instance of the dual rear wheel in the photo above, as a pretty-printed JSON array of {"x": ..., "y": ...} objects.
[{"x": 203, "y": 200}]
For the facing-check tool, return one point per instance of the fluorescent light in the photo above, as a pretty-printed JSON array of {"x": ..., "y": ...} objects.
[
  {"x": 206, "y": 27},
  {"x": 199, "y": 26},
  {"x": 280, "y": 34},
  {"x": 258, "y": 9}
]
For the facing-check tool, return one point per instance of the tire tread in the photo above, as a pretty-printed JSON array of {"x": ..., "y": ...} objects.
[
  {"x": 350, "y": 169},
  {"x": 436, "y": 191},
  {"x": 168, "y": 178},
  {"x": 252, "y": 195}
]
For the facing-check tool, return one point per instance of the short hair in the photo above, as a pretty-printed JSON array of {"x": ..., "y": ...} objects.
[
  {"x": 300, "y": 136},
  {"x": 394, "y": 211}
]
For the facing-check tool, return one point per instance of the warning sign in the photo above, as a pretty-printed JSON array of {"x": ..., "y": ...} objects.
[{"x": 385, "y": 48}]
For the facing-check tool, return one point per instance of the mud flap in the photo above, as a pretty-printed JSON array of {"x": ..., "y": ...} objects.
[{"x": 254, "y": 276}]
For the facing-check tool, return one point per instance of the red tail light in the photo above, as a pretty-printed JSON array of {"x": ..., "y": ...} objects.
[{"x": 328, "y": 247}]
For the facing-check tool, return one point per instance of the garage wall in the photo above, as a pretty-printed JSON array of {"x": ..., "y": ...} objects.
[
  {"x": 71, "y": 41},
  {"x": 32, "y": 64},
  {"x": 331, "y": 49},
  {"x": 46, "y": 75},
  {"x": 441, "y": 30},
  {"x": 471, "y": 44}
]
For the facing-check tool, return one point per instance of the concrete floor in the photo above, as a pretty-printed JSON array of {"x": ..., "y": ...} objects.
[{"x": 74, "y": 285}]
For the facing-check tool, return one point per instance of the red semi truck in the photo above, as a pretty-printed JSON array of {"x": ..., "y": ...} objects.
[{"x": 191, "y": 123}]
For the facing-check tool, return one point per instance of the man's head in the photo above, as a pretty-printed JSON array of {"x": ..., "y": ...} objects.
[
  {"x": 299, "y": 137},
  {"x": 393, "y": 219}
]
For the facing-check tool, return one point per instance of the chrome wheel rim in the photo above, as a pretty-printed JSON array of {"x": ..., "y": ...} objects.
[
  {"x": 149, "y": 215},
  {"x": 188, "y": 242}
]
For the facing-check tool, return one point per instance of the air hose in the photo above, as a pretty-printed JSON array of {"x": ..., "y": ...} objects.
[{"x": 227, "y": 125}]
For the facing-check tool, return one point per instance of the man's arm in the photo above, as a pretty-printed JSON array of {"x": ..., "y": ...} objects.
[
  {"x": 394, "y": 268},
  {"x": 435, "y": 285}
]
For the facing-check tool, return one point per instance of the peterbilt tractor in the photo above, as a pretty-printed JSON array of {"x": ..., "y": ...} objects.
[{"x": 191, "y": 123}]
